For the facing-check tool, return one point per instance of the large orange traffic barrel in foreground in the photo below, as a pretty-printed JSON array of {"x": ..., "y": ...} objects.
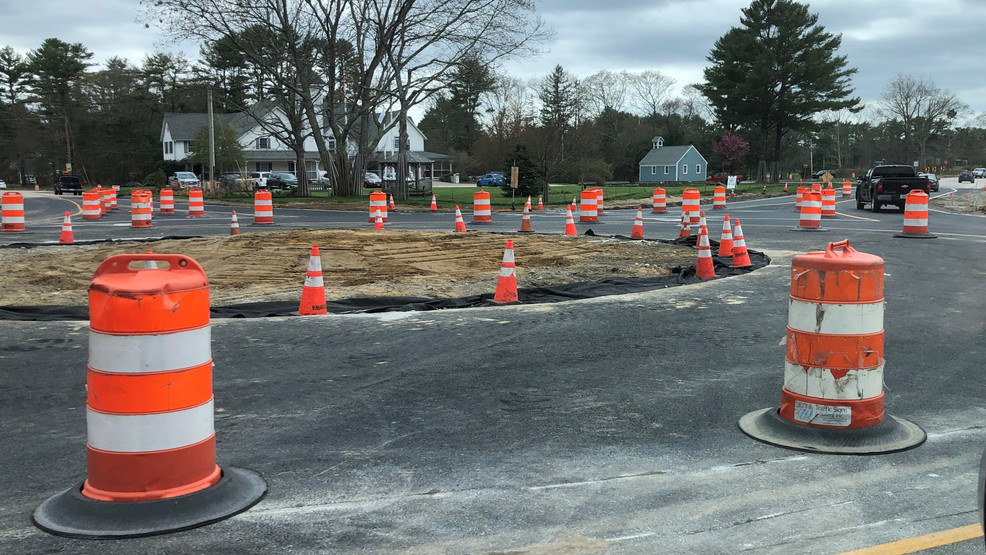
[
  {"x": 378, "y": 201},
  {"x": 152, "y": 446},
  {"x": 916, "y": 216},
  {"x": 196, "y": 203},
  {"x": 832, "y": 397},
  {"x": 90, "y": 205},
  {"x": 263, "y": 207}
]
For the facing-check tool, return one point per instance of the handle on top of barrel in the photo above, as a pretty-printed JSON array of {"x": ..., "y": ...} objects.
[
  {"x": 120, "y": 263},
  {"x": 842, "y": 245}
]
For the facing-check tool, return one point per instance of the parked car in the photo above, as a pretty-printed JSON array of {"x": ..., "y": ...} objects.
[
  {"x": 133, "y": 185},
  {"x": 282, "y": 181},
  {"x": 979, "y": 172},
  {"x": 820, "y": 173},
  {"x": 722, "y": 177},
  {"x": 966, "y": 175},
  {"x": 3, "y": 185},
  {"x": 259, "y": 179},
  {"x": 371, "y": 179},
  {"x": 932, "y": 180},
  {"x": 492, "y": 179},
  {"x": 68, "y": 183},
  {"x": 184, "y": 180}
]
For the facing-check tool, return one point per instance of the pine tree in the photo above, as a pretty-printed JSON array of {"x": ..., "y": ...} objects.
[{"x": 774, "y": 73}]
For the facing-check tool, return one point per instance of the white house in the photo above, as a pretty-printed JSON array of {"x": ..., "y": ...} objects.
[{"x": 264, "y": 152}]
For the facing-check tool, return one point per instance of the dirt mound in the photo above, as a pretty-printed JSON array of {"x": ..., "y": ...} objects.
[{"x": 271, "y": 266}]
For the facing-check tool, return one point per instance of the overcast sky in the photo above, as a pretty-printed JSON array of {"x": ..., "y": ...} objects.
[{"x": 942, "y": 40}]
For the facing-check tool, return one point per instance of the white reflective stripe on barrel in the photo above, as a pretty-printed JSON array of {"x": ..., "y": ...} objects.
[
  {"x": 838, "y": 319},
  {"x": 150, "y": 353},
  {"x": 819, "y": 382},
  {"x": 141, "y": 433}
]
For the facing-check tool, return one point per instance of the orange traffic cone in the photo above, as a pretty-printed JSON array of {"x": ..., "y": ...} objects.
[
  {"x": 726, "y": 239},
  {"x": 313, "y": 294},
  {"x": 785, "y": 187},
  {"x": 460, "y": 224},
  {"x": 393, "y": 207},
  {"x": 638, "y": 225},
  {"x": 66, "y": 238},
  {"x": 704, "y": 269},
  {"x": 741, "y": 257},
  {"x": 377, "y": 220},
  {"x": 234, "y": 225},
  {"x": 506, "y": 284},
  {"x": 434, "y": 203},
  {"x": 528, "y": 205},
  {"x": 701, "y": 219},
  {"x": 570, "y": 224},
  {"x": 685, "y": 231},
  {"x": 540, "y": 203},
  {"x": 575, "y": 204},
  {"x": 525, "y": 222}
]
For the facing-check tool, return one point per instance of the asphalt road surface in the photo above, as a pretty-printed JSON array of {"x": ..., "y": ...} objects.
[{"x": 603, "y": 425}]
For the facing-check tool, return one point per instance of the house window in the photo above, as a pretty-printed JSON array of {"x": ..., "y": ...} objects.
[
  {"x": 667, "y": 170},
  {"x": 264, "y": 166},
  {"x": 653, "y": 170},
  {"x": 263, "y": 143},
  {"x": 397, "y": 142},
  {"x": 698, "y": 169},
  {"x": 169, "y": 147},
  {"x": 684, "y": 169},
  {"x": 186, "y": 146},
  {"x": 291, "y": 167},
  {"x": 331, "y": 144}
]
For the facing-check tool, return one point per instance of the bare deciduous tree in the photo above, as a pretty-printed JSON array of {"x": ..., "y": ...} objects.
[{"x": 923, "y": 109}]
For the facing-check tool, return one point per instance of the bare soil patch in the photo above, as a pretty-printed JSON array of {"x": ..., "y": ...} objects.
[
  {"x": 969, "y": 202},
  {"x": 271, "y": 266}
]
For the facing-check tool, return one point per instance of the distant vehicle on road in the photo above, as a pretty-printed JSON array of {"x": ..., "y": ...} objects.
[
  {"x": 68, "y": 183},
  {"x": 3, "y": 185},
  {"x": 722, "y": 177},
  {"x": 932, "y": 180},
  {"x": 184, "y": 180},
  {"x": 966, "y": 175},
  {"x": 820, "y": 173},
  {"x": 492, "y": 179},
  {"x": 372, "y": 180},
  {"x": 888, "y": 184},
  {"x": 979, "y": 172}
]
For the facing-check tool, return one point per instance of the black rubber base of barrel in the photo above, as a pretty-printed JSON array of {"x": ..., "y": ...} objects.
[
  {"x": 892, "y": 435},
  {"x": 916, "y": 235},
  {"x": 74, "y": 515}
]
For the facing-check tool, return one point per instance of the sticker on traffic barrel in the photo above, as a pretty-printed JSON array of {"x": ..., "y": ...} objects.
[{"x": 832, "y": 398}]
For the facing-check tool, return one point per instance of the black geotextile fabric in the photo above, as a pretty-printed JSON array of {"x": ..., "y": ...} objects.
[
  {"x": 97, "y": 242},
  {"x": 527, "y": 295}
]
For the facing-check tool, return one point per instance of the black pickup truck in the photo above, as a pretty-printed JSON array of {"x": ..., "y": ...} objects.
[
  {"x": 68, "y": 184},
  {"x": 888, "y": 185}
]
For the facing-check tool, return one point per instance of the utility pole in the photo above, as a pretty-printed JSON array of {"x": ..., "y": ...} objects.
[{"x": 212, "y": 144}]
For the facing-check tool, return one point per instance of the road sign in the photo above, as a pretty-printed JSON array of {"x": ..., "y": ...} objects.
[{"x": 514, "y": 170}]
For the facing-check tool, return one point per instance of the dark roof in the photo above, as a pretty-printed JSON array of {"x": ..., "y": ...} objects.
[
  {"x": 413, "y": 157},
  {"x": 184, "y": 126},
  {"x": 666, "y": 155}
]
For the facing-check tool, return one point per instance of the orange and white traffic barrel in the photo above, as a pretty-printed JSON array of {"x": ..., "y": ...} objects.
[
  {"x": 152, "y": 445},
  {"x": 166, "y": 204},
  {"x": 719, "y": 198},
  {"x": 846, "y": 189},
  {"x": 12, "y": 212},
  {"x": 834, "y": 366},
  {"x": 659, "y": 201},
  {"x": 816, "y": 187},
  {"x": 690, "y": 200},
  {"x": 799, "y": 198},
  {"x": 378, "y": 202},
  {"x": 587, "y": 208},
  {"x": 196, "y": 203},
  {"x": 140, "y": 208},
  {"x": 263, "y": 207},
  {"x": 599, "y": 201},
  {"x": 481, "y": 210},
  {"x": 102, "y": 198},
  {"x": 113, "y": 203},
  {"x": 107, "y": 200},
  {"x": 811, "y": 211},
  {"x": 828, "y": 202},
  {"x": 916, "y": 216},
  {"x": 91, "y": 204}
]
